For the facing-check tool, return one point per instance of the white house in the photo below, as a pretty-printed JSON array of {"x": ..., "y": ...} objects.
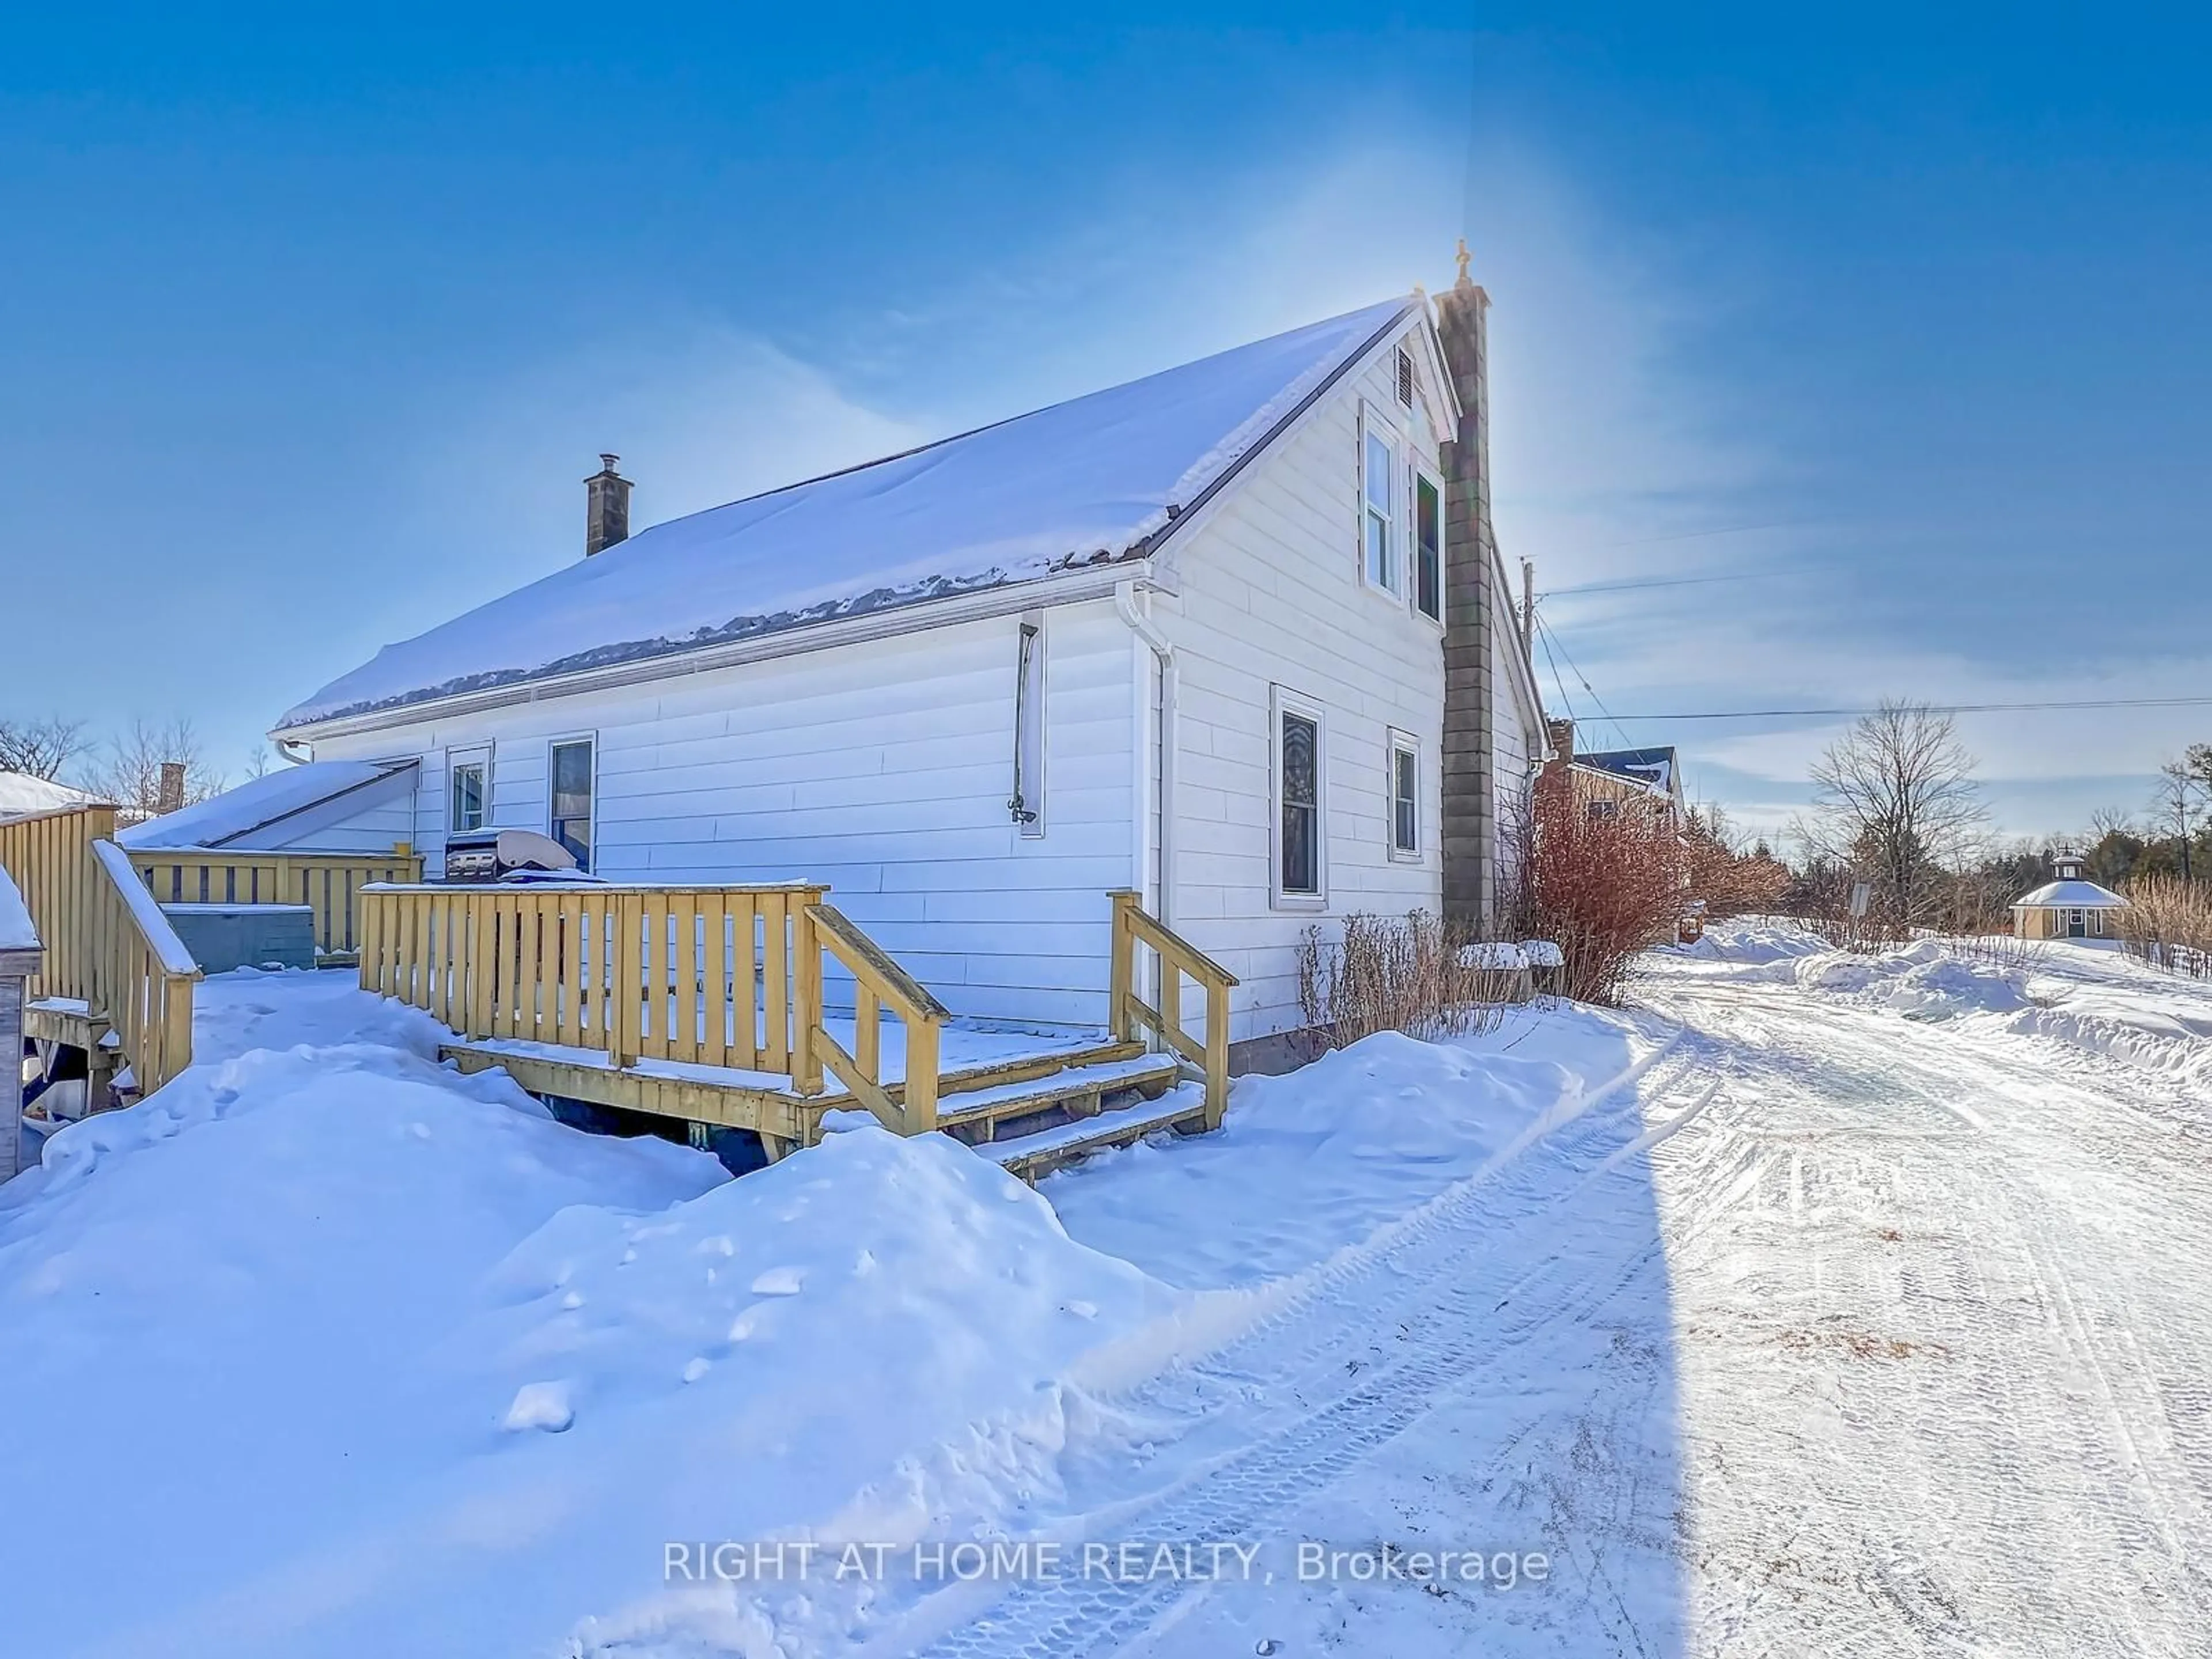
[{"x": 1235, "y": 636}]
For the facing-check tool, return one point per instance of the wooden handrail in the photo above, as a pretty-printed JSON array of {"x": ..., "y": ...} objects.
[
  {"x": 879, "y": 983},
  {"x": 141, "y": 973},
  {"x": 715, "y": 976},
  {"x": 328, "y": 883},
  {"x": 1130, "y": 1012}
]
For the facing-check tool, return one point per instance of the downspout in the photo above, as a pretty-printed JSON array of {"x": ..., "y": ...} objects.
[
  {"x": 1125, "y": 602},
  {"x": 284, "y": 747}
]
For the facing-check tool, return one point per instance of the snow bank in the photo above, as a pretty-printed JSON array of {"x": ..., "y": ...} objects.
[
  {"x": 390, "y": 1362},
  {"x": 1755, "y": 939},
  {"x": 1308, "y": 1163},
  {"x": 1923, "y": 981}
]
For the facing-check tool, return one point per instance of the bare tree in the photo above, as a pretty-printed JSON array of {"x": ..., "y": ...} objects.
[
  {"x": 1894, "y": 799},
  {"x": 2175, "y": 801},
  {"x": 41, "y": 748},
  {"x": 129, "y": 773}
]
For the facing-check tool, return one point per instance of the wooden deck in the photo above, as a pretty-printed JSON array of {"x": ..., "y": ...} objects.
[{"x": 755, "y": 1006}]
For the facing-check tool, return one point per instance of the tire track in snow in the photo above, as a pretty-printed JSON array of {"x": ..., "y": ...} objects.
[{"x": 1440, "y": 1291}]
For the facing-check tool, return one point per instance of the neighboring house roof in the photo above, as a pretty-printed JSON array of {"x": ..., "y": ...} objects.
[
  {"x": 21, "y": 795},
  {"x": 261, "y": 804},
  {"x": 2070, "y": 896},
  {"x": 1653, "y": 767},
  {"x": 1094, "y": 482}
]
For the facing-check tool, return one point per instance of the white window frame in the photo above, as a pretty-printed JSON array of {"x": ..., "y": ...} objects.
[
  {"x": 478, "y": 755},
  {"x": 552, "y": 819},
  {"x": 1282, "y": 701},
  {"x": 1025, "y": 803},
  {"x": 1406, "y": 743},
  {"x": 1374, "y": 425},
  {"x": 1421, "y": 474}
]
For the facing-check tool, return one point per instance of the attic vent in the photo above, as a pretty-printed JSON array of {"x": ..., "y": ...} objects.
[{"x": 1405, "y": 377}]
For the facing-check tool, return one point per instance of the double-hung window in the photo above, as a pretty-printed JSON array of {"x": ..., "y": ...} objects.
[
  {"x": 1405, "y": 797},
  {"x": 1378, "y": 503},
  {"x": 571, "y": 765},
  {"x": 1301, "y": 869},
  {"x": 468, "y": 793}
]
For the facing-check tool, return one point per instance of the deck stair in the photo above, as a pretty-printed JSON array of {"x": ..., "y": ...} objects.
[
  {"x": 1091, "y": 1084},
  {"x": 1039, "y": 1150}
]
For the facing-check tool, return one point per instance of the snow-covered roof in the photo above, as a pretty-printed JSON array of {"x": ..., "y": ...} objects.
[
  {"x": 22, "y": 794},
  {"x": 2070, "y": 896},
  {"x": 16, "y": 932},
  {"x": 1654, "y": 767},
  {"x": 1091, "y": 482},
  {"x": 257, "y": 803}
]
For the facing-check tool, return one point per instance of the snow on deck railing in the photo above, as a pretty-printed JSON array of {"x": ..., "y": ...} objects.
[{"x": 154, "y": 929}]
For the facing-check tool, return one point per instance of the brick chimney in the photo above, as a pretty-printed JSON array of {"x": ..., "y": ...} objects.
[
  {"x": 1561, "y": 734},
  {"x": 606, "y": 507},
  {"x": 169, "y": 793},
  {"x": 1471, "y": 600}
]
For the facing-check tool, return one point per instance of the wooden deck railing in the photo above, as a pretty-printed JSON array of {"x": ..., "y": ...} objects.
[
  {"x": 108, "y": 945},
  {"x": 879, "y": 983},
  {"x": 329, "y": 882},
  {"x": 1177, "y": 956},
  {"x": 721, "y": 976}
]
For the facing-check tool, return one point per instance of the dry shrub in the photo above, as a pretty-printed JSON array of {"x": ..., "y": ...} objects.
[
  {"x": 1731, "y": 882},
  {"x": 1388, "y": 974},
  {"x": 2006, "y": 950},
  {"x": 1604, "y": 888},
  {"x": 2168, "y": 924},
  {"x": 1819, "y": 899}
]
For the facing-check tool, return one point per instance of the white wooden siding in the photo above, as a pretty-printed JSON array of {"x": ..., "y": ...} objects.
[
  {"x": 883, "y": 770},
  {"x": 1273, "y": 594}
]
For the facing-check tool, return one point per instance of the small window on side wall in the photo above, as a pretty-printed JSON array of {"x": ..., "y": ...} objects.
[
  {"x": 1300, "y": 869},
  {"x": 1378, "y": 508},
  {"x": 1405, "y": 798},
  {"x": 470, "y": 795},
  {"x": 571, "y": 765},
  {"x": 1428, "y": 547}
]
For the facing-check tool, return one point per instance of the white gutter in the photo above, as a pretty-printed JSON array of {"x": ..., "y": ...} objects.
[
  {"x": 1125, "y": 602},
  {"x": 1066, "y": 588}
]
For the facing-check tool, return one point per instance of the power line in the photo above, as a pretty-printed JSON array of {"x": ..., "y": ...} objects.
[
  {"x": 1933, "y": 709},
  {"x": 1544, "y": 639},
  {"x": 1553, "y": 639},
  {"x": 1697, "y": 535},
  {"x": 1664, "y": 581}
]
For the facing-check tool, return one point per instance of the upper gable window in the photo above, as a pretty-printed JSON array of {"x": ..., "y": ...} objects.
[
  {"x": 1405, "y": 377},
  {"x": 1379, "y": 475}
]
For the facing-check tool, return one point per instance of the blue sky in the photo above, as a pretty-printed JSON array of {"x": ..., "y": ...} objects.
[{"x": 309, "y": 329}]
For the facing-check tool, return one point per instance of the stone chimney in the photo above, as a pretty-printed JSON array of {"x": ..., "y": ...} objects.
[
  {"x": 606, "y": 507},
  {"x": 169, "y": 793},
  {"x": 1471, "y": 601}
]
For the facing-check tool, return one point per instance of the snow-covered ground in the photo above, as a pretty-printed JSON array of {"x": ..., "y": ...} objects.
[{"x": 1818, "y": 1304}]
